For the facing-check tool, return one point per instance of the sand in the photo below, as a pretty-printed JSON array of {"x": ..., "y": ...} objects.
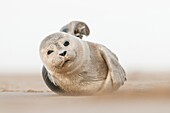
[{"x": 142, "y": 93}]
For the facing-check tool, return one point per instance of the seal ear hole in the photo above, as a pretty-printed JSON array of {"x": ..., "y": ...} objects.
[
  {"x": 49, "y": 52},
  {"x": 66, "y": 43}
]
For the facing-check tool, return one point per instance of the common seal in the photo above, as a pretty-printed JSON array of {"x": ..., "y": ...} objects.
[{"x": 73, "y": 66}]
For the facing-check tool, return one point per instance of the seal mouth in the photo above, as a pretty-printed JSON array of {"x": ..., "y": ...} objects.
[{"x": 64, "y": 63}]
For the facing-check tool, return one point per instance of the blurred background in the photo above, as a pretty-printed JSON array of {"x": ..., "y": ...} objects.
[{"x": 138, "y": 32}]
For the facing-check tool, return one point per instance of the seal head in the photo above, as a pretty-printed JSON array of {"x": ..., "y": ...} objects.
[{"x": 58, "y": 52}]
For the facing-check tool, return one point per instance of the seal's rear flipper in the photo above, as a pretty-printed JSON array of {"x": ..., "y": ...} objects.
[
  {"x": 49, "y": 83},
  {"x": 76, "y": 28}
]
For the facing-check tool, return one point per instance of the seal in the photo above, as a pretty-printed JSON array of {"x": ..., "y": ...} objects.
[{"x": 73, "y": 66}]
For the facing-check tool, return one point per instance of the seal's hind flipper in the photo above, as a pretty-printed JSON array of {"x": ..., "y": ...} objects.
[
  {"x": 49, "y": 83},
  {"x": 76, "y": 28}
]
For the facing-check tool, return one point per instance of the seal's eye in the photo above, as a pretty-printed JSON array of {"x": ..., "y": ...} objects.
[
  {"x": 49, "y": 52},
  {"x": 66, "y": 43}
]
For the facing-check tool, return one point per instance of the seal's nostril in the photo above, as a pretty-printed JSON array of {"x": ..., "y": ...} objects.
[{"x": 63, "y": 54}]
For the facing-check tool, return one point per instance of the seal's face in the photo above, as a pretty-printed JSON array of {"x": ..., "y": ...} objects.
[{"x": 59, "y": 51}]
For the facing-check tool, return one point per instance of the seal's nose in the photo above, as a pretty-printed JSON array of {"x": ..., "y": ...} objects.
[{"x": 63, "y": 53}]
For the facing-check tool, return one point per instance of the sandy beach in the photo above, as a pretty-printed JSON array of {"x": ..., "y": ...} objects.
[{"x": 142, "y": 93}]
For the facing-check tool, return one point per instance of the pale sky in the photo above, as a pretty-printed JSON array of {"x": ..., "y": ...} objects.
[{"x": 137, "y": 31}]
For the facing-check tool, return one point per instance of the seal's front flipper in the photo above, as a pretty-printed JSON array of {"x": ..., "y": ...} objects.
[
  {"x": 49, "y": 83},
  {"x": 116, "y": 74}
]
